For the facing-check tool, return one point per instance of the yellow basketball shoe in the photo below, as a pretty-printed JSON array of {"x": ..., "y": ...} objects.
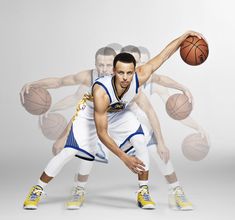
[
  {"x": 178, "y": 201},
  {"x": 33, "y": 198},
  {"x": 144, "y": 200},
  {"x": 78, "y": 197}
]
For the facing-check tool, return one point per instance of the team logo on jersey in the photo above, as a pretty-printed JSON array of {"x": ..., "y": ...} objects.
[{"x": 117, "y": 106}]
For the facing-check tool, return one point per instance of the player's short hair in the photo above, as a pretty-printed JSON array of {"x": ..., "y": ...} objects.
[
  {"x": 131, "y": 49},
  {"x": 144, "y": 50},
  {"x": 124, "y": 58},
  {"x": 105, "y": 51},
  {"x": 115, "y": 46}
]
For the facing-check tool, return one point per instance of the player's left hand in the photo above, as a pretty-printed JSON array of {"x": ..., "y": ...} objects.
[
  {"x": 194, "y": 33},
  {"x": 163, "y": 152}
]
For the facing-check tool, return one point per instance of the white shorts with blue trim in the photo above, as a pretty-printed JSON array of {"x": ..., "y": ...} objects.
[
  {"x": 102, "y": 154},
  {"x": 83, "y": 137}
]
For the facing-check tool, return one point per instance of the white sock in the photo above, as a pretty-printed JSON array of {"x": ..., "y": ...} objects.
[
  {"x": 143, "y": 183},
  {"x": 173, "y": 185},
  {"x": 41, "y": 184}
]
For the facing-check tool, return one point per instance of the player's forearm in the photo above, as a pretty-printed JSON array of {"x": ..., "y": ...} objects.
[
  {"x": 48, "y": 83},
  {"x": 153, "y": 119},
  {"x": 167, "y": 52},
  {"x": 143, "y": 102},
  {"x": 67, "y": 102},
  {"x": 66, "y": 130},
  {"x": 168, "y": 82}
]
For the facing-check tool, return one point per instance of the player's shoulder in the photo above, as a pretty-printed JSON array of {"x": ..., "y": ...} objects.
[
  {"x": 99, "y": 93},
  {"x": 103, "y": 78}
]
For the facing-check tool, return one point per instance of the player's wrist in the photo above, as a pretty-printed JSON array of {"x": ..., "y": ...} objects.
[{"x": 123, "y": 156}]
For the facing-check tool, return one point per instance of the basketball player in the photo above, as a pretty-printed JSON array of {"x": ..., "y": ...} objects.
[
  {"x": 151, "y": 127},
  {"x": 103, "y": 61},
  {"x": 104, "y": 58},
  {"x": 106, "y": 104}
]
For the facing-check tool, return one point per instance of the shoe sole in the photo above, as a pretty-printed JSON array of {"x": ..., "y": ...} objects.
[
  {"x": 149, "y": 206},
  {"x": 73, "y": 207},
  {"x": 177, "y": 208},
  {"x": 30, "y": 207}
]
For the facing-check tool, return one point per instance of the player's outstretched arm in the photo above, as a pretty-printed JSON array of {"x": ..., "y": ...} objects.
[
  {"x": 101, "y": 103},
  {"x": 145, "y": 71},
  {"x": 143, "y": 102},
  {"x": 69, "y": 101},
  {"x": 57, "y": 82},
  {"x": 170, "y": 83}
]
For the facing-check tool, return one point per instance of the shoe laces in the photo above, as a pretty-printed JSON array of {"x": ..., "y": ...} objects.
[
  {"x": 145, "y": 193},
  {"x": 180, "y": 193},
  {"x": 77, "y": 192},
  {"x": 36, "y": 193}
]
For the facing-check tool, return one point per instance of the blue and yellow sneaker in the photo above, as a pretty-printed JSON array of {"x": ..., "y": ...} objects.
[
  {"x": 144, "y": 200},
  {"x": 178, "y": 201},
  {"x": 33, "y": 198},
  {"x": 78, "y": 197}
]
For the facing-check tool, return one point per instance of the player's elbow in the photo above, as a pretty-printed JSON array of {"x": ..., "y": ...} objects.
[{"x": 58, "y": 83}]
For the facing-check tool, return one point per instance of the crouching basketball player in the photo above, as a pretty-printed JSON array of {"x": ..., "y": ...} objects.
[{"x": 102, "y": 114}]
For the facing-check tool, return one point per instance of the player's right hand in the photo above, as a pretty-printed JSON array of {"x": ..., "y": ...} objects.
[
  {"x": 57, "y": 146},
  {"x": 25, "y": 89},
  {"x": 134, "y": 164},
  {"x": 189, "y": 95}
]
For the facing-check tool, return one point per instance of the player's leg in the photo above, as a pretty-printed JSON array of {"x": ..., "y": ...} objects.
[
  {"x": 143, "y": 198},
  {"x": 81, "y": 178},
  {"x": 82, "y": 175},
  {"x": 176, "y": 196},
  {"x": 52, "y": 169},
  {"x": 71, "y": 149}
]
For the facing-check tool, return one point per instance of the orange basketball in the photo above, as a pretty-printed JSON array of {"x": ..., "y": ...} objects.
[
  {"x": 194, "y": 51},
  {"x": 37, "y": 101},
  {"x": 53, "y": 125},
  {"x": 194, "y": 147},
  {"x": 178, "y": 107}
]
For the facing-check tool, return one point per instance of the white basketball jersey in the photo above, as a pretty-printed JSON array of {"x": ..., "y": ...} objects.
[{"x": 118, "y": 104}]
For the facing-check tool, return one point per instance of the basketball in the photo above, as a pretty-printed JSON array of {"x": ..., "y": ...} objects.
[
  {"x": 194, "y": 51},
  {"x": 178, "y": 107},
  {"x": 37, "y": 101},
  {"x": 194, "y": 147},
  {"x": 53, "y": 125}
]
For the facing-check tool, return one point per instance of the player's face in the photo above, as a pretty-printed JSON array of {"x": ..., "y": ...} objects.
[
  {"x": 104, "y": 64},
  {"x": 124, "y": 73}
]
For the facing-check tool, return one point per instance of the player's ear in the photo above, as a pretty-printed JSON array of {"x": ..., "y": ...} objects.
[{"x": 114, "y": 69}]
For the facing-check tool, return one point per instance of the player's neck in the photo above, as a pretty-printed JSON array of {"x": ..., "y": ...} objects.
[{"x": 118, "y": 89}]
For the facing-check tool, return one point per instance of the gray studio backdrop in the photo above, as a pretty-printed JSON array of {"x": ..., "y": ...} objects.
[{"x": 53, "y": 38}]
